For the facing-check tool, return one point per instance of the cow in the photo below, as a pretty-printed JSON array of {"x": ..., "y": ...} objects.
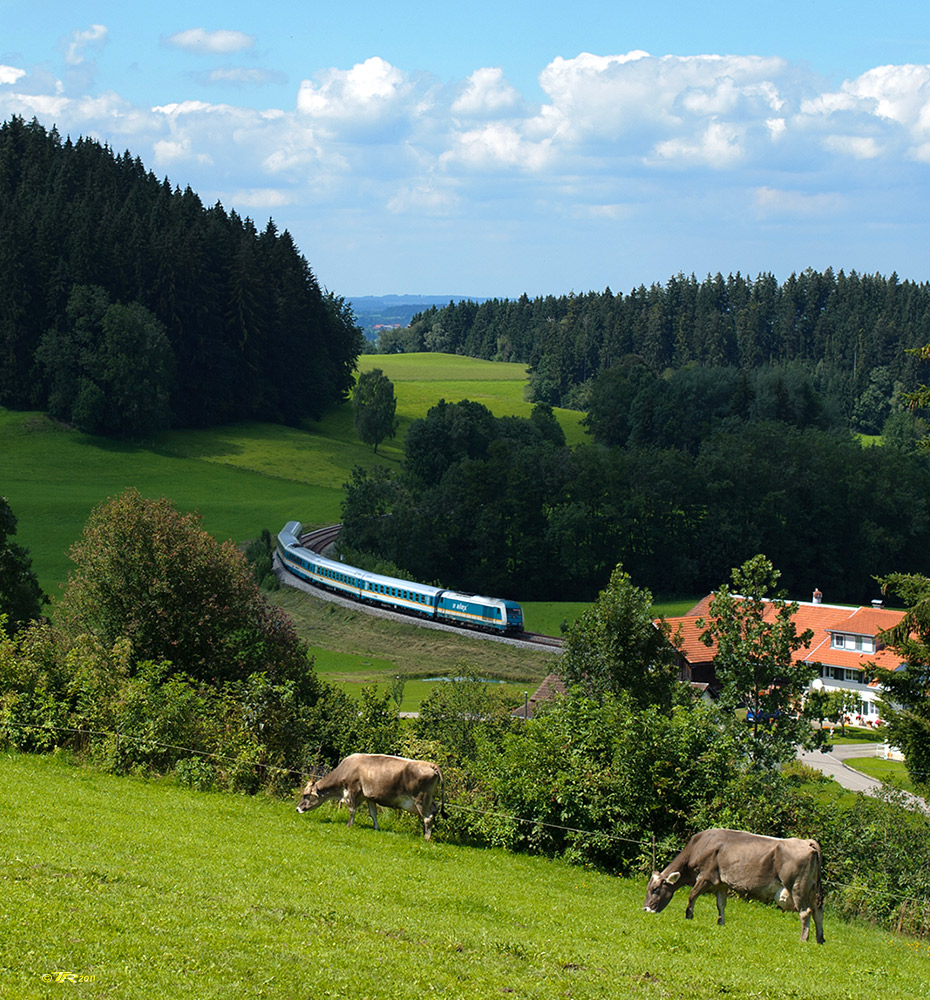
[
  {"x": 770, "y": 869},
  {"x": 380, "y": 780}
]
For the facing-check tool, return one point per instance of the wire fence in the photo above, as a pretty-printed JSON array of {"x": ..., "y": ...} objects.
[{"x": 653, "y": 846}]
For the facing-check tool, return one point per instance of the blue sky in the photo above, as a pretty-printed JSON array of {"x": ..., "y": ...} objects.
[{"x": 501, "y": 148}]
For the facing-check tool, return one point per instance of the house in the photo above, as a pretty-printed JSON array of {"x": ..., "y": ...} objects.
[{"x": 845, "y": 641}]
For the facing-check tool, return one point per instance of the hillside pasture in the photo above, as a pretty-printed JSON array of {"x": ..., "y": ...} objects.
[
  {"x": 146, "y": 889},
  {"x": 421, "y": 380}
]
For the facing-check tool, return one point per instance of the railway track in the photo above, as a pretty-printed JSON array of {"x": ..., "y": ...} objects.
[{"x": 320, "y": 540}]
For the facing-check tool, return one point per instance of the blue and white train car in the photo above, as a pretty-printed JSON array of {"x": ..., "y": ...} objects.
[
  {"x": 488, "y": 613},
  {"x": 480, "y": 612}
]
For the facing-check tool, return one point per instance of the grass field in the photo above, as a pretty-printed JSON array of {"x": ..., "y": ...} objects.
[
  {"x": 144, "y": 889},
  {"x": 353, "y": 650}
]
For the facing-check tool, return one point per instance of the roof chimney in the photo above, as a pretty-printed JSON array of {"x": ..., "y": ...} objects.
[
  {"x": 878, "y": 603},
  {"x": 818, "y": 595}
]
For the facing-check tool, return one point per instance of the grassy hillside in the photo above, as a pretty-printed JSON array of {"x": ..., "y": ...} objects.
[
  {"x": 152, "y": 890},
  {"x": 353, "y": 649}
]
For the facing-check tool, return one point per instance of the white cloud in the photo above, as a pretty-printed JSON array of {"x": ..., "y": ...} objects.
[
  {"x": 368, "y": 92},
  {"x": 219, "y": 42},
  {"x": 860, "y": 147},
  {"x": 496, "y": 145},
  {"x": 423, "y": 199},
  {"x": 720, "y": 145},
  {"x": 10, "y": 74},
  {"x": 264, "y": 198},
  {"x": 486, "y": 92},
  {"x": 169, "y": 152},
  {"x": 95, "y": 37},
  {"x": 635, "y": 94}
]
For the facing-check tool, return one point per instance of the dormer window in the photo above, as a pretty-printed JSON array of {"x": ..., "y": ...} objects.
[{"x": 860, "y": 643}]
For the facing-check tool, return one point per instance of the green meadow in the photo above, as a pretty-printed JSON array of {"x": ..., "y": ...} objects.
[{"x": 122, "y": 889}]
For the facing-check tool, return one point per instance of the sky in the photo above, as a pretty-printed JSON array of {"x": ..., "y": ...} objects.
[{"x": 500, "y": 148}]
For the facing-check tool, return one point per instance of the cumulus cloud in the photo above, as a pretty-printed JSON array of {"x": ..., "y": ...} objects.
[
  {"x": 601, "y": 143},
  {"x": 171, "y": 151},
  {"x": 220, "y": 42},
  {"x": 486, "y": 92},
  {"x": 614, "y": 96},
  {"x": 496, "y": 145},
  {"x": 366, "y": 92},
  {"x": 720, "y": 144}
]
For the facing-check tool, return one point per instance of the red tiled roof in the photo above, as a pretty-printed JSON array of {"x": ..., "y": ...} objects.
[{"x": 822, "y": 619}]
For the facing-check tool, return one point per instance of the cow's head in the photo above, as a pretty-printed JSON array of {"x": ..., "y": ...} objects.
[
  {"x": 310, "y": 799},
  {"x": 660, "y": 891}
]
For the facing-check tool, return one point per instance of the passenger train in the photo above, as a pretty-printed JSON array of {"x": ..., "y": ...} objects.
[{"x": 447, "y": 606}]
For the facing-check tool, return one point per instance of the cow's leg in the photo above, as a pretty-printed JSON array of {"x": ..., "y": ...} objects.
[
  {"x": 701, "y": 886},
  {"x": 805, "y": 914},
  {"x": 373, "y": 813},
  {"x": 806, "y": 911},
  {"x": 349, "y": 800},
  {"x": 426, "y": 808},
  {"x": 428, "y": 818},
  {"x": 721, "y": 905}
]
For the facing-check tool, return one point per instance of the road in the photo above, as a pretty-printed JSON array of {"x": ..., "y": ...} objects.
[{"x": 833, "y": 765}]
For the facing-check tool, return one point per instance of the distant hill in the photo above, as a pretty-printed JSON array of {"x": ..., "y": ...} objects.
[{"x": 375, "y": 311}]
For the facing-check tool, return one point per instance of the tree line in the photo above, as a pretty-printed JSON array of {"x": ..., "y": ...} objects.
[
  {"x": 503, "y": 506},
  {"x": 851, "y": 330},
  {"x": 129, "y": 306}
]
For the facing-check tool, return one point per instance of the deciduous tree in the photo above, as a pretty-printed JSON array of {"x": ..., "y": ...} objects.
[
  {"x": 755, "y": 634},
  {"x": 906, "y": 706},
  {"x": 145, "y": 571},
  {"x": 616, "y": 647},
  {"x": 375, "y": 408}
]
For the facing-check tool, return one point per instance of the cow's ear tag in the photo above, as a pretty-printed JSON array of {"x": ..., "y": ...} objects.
[{"x": 673, "y": 878}]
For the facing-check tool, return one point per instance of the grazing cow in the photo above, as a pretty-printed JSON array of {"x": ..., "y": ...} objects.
[
  {"x": 765, "y": 868},
  {"x": 380, "y": 780}
]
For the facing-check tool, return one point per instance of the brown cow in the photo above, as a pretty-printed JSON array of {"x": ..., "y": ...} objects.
[
  {"x": 380, "y": 780},
  {"x": 764, "y": 868}
]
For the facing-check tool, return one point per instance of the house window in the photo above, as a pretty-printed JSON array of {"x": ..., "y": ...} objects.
[{"x": 839, "y": 640}]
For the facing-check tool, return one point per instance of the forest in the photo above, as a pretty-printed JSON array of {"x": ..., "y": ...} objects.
[
  {"x": 851, "y": 332},
  {"x": 503, "y": 506},
  {"x": 128, "y": 306}
]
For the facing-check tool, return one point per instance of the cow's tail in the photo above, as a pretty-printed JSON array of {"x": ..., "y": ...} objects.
[{"x": 818, "y": 889}]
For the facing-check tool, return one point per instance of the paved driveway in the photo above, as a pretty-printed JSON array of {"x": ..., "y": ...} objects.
[{"x": 832, "y": 764}]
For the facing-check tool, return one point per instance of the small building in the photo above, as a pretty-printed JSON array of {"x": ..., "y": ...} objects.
[{"x": 550, "y": 689}]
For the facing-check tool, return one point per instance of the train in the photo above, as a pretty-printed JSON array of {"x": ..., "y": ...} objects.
[{"x": 491, "y": 614}]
